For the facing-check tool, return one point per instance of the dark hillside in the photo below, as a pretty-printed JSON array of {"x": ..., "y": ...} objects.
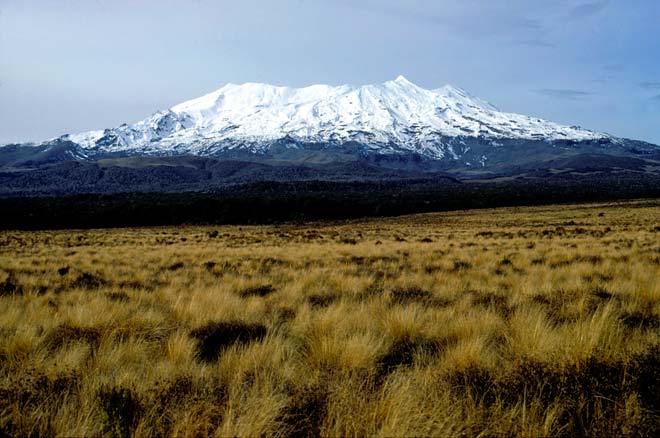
[{"x": 273, "y": 202}]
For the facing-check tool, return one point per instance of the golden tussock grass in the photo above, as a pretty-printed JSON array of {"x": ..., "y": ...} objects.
[{"x": 521, "y": 321}]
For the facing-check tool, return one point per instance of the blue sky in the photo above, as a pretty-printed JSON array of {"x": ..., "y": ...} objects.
[{"x": 71, "y": 65}]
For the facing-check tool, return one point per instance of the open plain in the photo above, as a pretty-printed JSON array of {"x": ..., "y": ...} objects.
[{"x": 539, "y": 321}]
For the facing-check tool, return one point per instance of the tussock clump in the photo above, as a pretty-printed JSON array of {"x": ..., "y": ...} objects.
[
  {"x": 306, "y": 411},
  {"x": 405, "y": 295},
  {"x": 175, "y": 267},
  {"x": 430, "y": 269},
  {"x": 553, "y": 304},
  {"x": 402, "y": 353},
  {"x": 322, "y": 300},
  {"x": 549, "y": 383},
  {"x": 383, "y": 259},
  {"x": 117, "y": 296},
  {"x": 29, "y": 389},
  {"x": 597, "y": 277},
  {"x": 231, "y": 267},
  {"x": 589, "y": 380},
  {"x": 602, "y": 293},
  {"x": 120, "y": 409},
  {"x": 215, "y": 337},
  {"x": 475, "y": 382},
  {"x": 644, "y": 318},
  {"x": 593, "y": 259},
  {"x": 460, "y": 265},
  {"x": 137, "y": 285},
  {"x": 490, "y": 300},
  {"x": 356, "y": 260},
  {"x": 598, "y": 378},
  {"x": 593, "y": 393},
  {"x": 10, "y": 287},
  {"x": 532, "y": 378},
  {"x": 25, "y": 394},
  {"x": 65, "y": 334},
  {"x": 88, "y": 281},
  {"x": 415, "y": 294},
  {"x": 284, "y": 314},
  {"x": 561, "y": 263},
  {"x": 312, "y": 235},
  {"x": 269, "y": 263},
  {"x": 174, "y": 391},
  {"x": 209, "y": 265},
  {"x": 257, "y": 291},
  {"x": 544, "y": 300},
  {"x": 377, "y": 266},
  {"x": 63, "y": 271},
  {"x": 184, "y": 389},
  {"x": 646, "y": 369},
  {"x": 146, "y": 332},
  {"x": 375, "y": 288}
]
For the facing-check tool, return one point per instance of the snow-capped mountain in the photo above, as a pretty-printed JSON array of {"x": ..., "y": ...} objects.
[
  {"x": 393, "y": 124},
  {"x": 386, "y": 118}
]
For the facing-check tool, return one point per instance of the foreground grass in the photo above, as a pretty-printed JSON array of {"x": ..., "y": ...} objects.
[{"x": 526, "y": 321}]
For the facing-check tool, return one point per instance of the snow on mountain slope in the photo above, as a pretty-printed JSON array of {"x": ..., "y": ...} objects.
[{"x": 394, "y": 116}]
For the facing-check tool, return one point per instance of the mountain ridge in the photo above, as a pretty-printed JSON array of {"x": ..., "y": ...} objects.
[{"x": 395, "y": 124}]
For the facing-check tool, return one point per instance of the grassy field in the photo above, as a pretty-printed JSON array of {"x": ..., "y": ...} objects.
[{"x": 522, "y": 321}]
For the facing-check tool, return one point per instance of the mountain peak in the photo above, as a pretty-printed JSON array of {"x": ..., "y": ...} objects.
[{"x": 402, "y": 82}]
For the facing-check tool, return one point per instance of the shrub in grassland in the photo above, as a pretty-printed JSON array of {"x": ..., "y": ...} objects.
[
  {"x": 120, "y": 410},
  {"x": 214, "y": 337}
]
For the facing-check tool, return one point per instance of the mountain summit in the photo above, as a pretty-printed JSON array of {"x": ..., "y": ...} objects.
[{"x": 393, "y": 121}]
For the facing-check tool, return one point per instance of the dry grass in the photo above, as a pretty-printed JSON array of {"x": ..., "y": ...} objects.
[{"x": 522, "y": 321}]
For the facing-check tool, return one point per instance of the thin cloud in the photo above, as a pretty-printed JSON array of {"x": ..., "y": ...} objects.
[
  {"x": 472, "y": 20},
  {"x": 535, "y": 43},
  {"x": 653, "y": 103},
  {"x": 614, "y": 68},
  {"x": 527, "y": 23},
  {"x": 650, "y": 85},
  {"x": 564, "y": 93},
  {"x": 586, "y": 10}
]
